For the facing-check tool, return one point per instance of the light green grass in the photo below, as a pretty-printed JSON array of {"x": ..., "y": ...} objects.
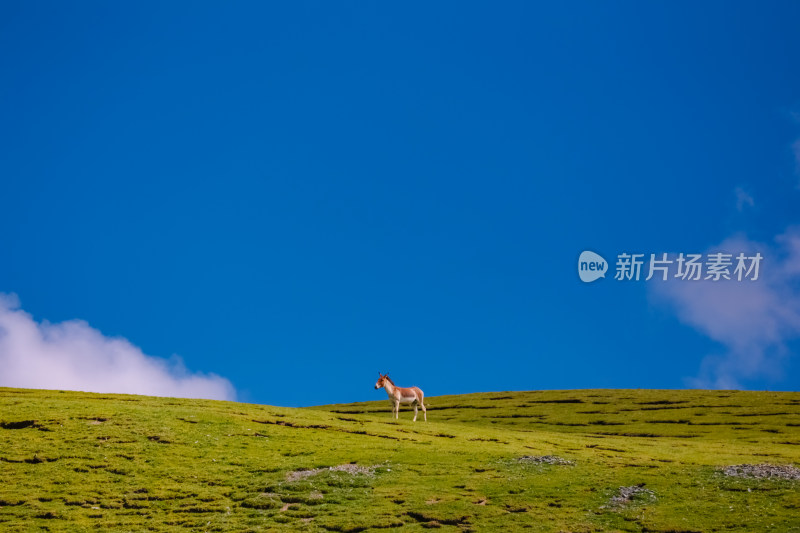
[{"x": 133, "y": 463}]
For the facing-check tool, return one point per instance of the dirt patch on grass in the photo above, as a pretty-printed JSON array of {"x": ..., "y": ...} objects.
[
  {"x": 22, "y": 424},
  {"x": 626, "y": 495},
  {"x": 430, "y": 521},
  {"x": 566, "y": 400},
  {"x": 645, "y": 435},
  {"x": 521, "y": 415},
  {"x": 544, "y": 460},
  {"x": 94, "y": 420},
  {"x": 35, "y": 460},
  {"x": 292, "y": 424},
  {"x": 351, "y": 469},
  {"x": 763, "y": 471},
  {"x": 323, "y": 426},
  {"x": 605, "y": 423}
]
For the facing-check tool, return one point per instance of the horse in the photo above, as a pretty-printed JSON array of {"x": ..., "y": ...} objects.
[{"x": 398, "y": 395}]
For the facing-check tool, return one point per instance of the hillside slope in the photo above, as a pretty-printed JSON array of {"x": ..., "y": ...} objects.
[{"x": 593, "y": 460}]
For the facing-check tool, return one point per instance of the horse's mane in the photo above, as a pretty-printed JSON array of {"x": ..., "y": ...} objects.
[{"x": 389, "y": 380}]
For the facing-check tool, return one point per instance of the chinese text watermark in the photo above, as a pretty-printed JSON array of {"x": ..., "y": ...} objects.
[{"x": 690, "y": 267}]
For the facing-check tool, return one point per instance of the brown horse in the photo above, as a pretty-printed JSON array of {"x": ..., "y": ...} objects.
[{"x": 398, "y": 395}]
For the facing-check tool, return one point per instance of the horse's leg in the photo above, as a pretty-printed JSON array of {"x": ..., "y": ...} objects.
[
  {"x": 396, "y": 410},
  {"x": 415, "y": 411},
  {"x": 422, "y": 403}
]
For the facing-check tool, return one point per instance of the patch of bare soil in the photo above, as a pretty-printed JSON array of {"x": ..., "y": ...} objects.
[
  {"x": 764, "y": 470},
  {"x": 351, "y": 469},
  {"x": 626, "y": 495},
  {"x": 544, "y": 459}
]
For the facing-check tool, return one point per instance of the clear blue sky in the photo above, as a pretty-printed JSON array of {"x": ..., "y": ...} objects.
[{"x": 298, "y": 195}]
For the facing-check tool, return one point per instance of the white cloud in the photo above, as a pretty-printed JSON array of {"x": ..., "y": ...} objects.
[
  {"x": 72, "y": 355},
  {"x": 752, "y": 320},
  {"x": 743, "y": 199}
]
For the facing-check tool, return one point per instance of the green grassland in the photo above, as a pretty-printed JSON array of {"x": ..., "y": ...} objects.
[{"x": 74, "y": 461}]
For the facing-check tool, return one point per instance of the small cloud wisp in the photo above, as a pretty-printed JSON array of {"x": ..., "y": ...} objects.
[
  {"x": 743, "y": 199},
  {"x": 753, "y": 320}
]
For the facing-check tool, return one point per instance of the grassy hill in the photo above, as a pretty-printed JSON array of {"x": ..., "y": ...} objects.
[{"x": 591, "y": 460}]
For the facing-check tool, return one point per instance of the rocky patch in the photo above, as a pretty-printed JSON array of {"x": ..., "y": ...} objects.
[{"x": 763, "y": 471}]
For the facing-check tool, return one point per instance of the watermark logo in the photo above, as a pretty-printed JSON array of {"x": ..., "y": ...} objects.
[
  {"x": 686, "y": 267},
  {"x": 591, "y": 266}
]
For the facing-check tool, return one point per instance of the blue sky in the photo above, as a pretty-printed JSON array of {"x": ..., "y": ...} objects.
[{"x": 295, "y": 196}]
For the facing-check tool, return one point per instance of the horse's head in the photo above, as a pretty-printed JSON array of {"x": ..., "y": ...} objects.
[{"x": 381, "y": 380}]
